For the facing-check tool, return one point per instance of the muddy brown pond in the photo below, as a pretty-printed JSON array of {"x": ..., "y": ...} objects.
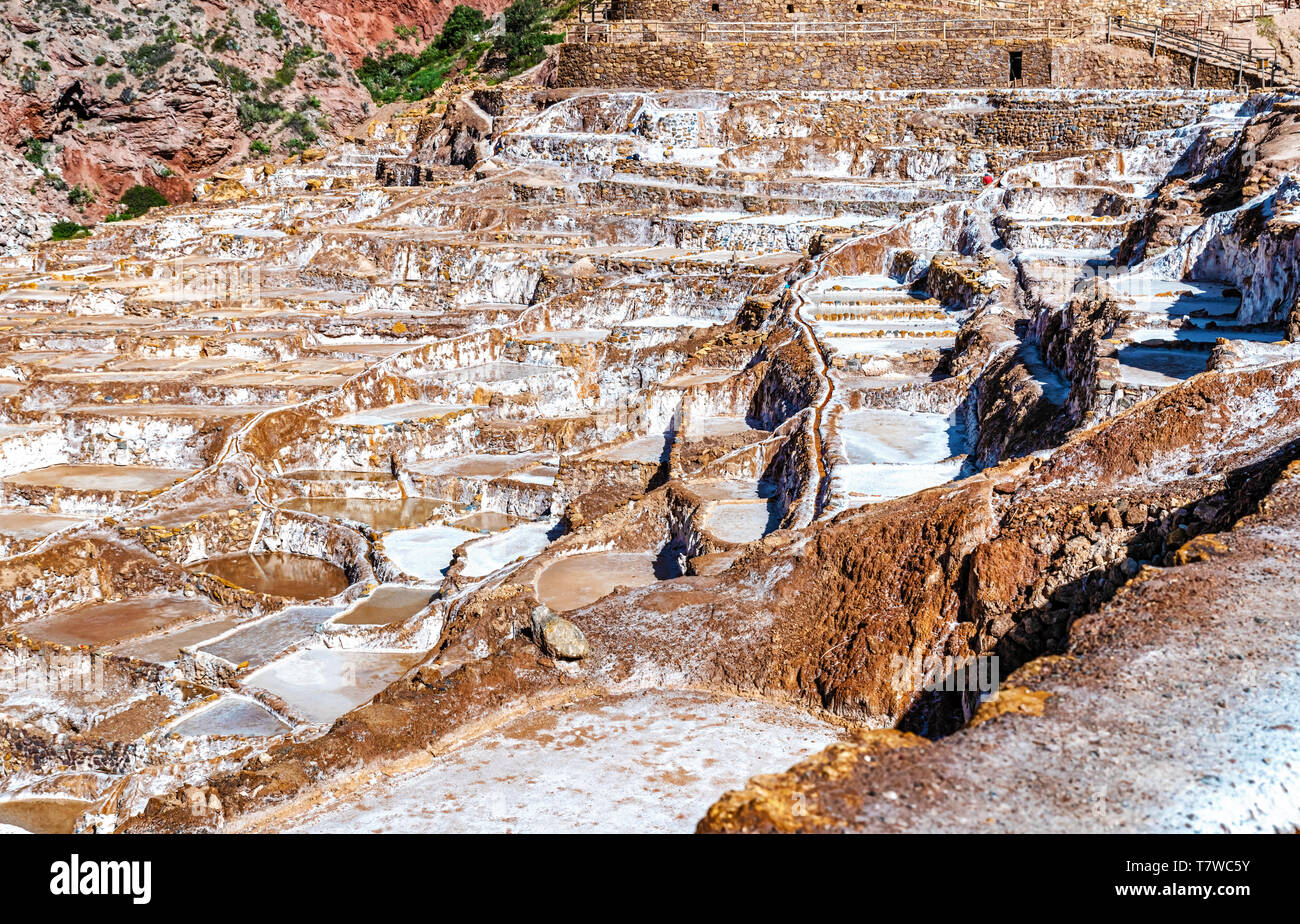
[{"x": 281, "y": 574}]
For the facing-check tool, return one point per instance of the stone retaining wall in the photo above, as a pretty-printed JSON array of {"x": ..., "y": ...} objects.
[
  {"x": 758, "y": 10},
  {"x": 802, "y": 65},
  {"x": 917, "y": 64}
]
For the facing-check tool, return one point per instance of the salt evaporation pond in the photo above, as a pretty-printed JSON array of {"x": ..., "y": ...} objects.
[
  {"x": 320, "y": 474},
  {"x": 230, "y": 716},
  {"x": 379, "y": 513},
  {"x": 398, "y": 413},
  {"x": 101, "y": 623},
  {"x": 893, "y": 453},
  {"x": 261, "y": 640},
  {"x": 1158, "y": 366},
  {"x": 641, "y": 762},
  {"x": 388, "y": 604},
  {"x": 425, "y": 553},
  {"x": 281, "y": 574},
  {"x": 486, "y": 521},
  {"x": 42, "y": 815},
  {"x": 742, "y": 521},
  {"x": 100, "y": 477},
  {"x": 166, "y": 646},
  {"x": 34, "y": 523},
  {"x": 323, "y": 683},
  {"x": 497, "y": 551},
  {"x": 576, "y": 580}
]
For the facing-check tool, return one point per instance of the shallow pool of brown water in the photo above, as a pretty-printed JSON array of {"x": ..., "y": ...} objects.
[
  {"x": 282, "y": 574},
  {"x": 577, "y": 580}
]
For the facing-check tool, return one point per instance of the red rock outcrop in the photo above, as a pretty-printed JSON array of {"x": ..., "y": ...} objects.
[{"x": 354, "y": 30}]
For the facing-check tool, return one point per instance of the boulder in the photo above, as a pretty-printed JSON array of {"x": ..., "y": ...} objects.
[{"x": 557, "y": 636}]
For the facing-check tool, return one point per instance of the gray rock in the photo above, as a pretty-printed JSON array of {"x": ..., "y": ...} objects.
[{"x": 558, "y": 637}]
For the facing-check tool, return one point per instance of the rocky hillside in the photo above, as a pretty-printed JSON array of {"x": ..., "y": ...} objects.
[
  {"x": 356, "y": 28},
  {"x": 98, "y": 96}
]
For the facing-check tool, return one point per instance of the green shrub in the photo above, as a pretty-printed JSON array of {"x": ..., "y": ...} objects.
[
  {"x": 401, "y": 75},
  {"x": 269, "y": 19},
  {"x": 80, "y": 196},
  {"x": 259, "y": 147},
  {"x": 149, "y": 57},
  {"x": 137, "y": 201},
  {"x": 525, "y": 35},
  {"x": 463, "y": 24},
  {"x": 67, "y": 230},
  {"x": 293, "y": 57},
  {"x": 100, "y": 60},
  {"x": 301, "y": 126},
  {"x": 114, "y": 79},
  {"x": 34, "y": 151},
  {"x": 253, "y": 111},
  {"x": 233, "y": 76}
]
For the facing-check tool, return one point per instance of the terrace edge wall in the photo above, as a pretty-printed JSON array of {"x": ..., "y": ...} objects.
[
  {"x": 908, "y": 65},
  {"x": 802, "y": 65}
]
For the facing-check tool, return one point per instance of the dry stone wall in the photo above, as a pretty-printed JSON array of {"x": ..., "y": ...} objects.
[
  {"x": 917, "y": 64},
  {"x": 803, "y": 65},
  {"x": 754, "y": 10}
]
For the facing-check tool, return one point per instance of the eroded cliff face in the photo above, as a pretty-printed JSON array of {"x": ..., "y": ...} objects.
[
  {"x": 354, "y": 30},
  {"x": 97, "y": 99}
]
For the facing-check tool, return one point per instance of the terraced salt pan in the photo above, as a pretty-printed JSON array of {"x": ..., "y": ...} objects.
[
  {"x": 1165, "y": 296},
  {"x": 164, "y": 647},
  {"x": 388, "y": 603},
  {"x": 866, "y": 484},
  {"x": 283, "y": 574},
  {"x": 859, "y": 282},
  {"x": 643, "y": 762},
  {"x": 1197, "y": 334},
  {"x": 321, "y": 684},
  {"x": 486, "y": 521},
  {"x": 379, "y": 513},
  {"x": 41, "y": 814},
  {"x": 577, "y": 335},
  {"x": 397, "y": 413},
  {"x": 425, "y": 553},
  {"x": 731, "y": 489},
  {"x": 494, "y": 552},
  {"x": 576, "y": 580},
  {"x": 1157, "y": 366},
  {"x": 886, "y": 346},
  {"x": 702, "y": 427},
  {"x": 339, "y": 475},
  {"x": 742, "y": 521},
  {"x": 892, "y": 453},
  {"x": 32, "y": 523},
  {"x": 710, "y": 377},
  {"x": 259, "y": 641},
  {"x": 492, "y": 372},
  {"x": 644, "y": 449},
  {"x": 101, "y": 623},
  {"x": 668, "y": 320},
  {"x": 133, "y": 478},
  {"x": 538, "y": 474},
  {"x": 478, "y": 465},
  {"x": 229, "y": 716},
  {"x": 899, "y": 437}
]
